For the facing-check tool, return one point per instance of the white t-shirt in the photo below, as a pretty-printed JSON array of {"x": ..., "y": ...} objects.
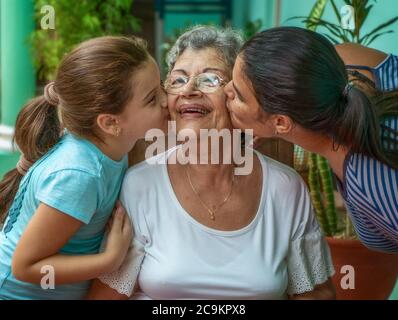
[{"x": 281, "y": 251}]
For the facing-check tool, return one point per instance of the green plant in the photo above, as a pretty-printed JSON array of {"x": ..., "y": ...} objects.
[
  {"x": 320, "y": 180},
  {"x": 338, "y": 34},
  {"x": 75, "y": 23},
  {"x": 251, "y": 28}
]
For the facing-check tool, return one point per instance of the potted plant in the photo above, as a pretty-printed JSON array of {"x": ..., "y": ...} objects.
[{"x": 374, "y": 274}]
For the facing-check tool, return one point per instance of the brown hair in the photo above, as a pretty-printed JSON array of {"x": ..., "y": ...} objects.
[{"x": 94, "y": 78}]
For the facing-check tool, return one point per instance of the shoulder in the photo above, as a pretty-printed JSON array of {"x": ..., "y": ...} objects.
[
  {"x": 72, "y": 154},
  {"x": 355, "y": 54},
  {"x": 280, "y": 177},
  {"x": 287, "y": 191},
  {"x": 359, "y": 169},
  {"x": 144, "y": 181},
  {"x": 142, "y": 187},
  {"x": 288, "y": 199},
  {"x": 146, "y": 172}
]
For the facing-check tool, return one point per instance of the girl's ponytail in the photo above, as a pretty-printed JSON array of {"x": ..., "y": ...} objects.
[{"x": 37, "y": 130}]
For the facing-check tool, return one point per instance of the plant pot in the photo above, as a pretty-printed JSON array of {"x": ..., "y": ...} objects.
[{"x": 375, "y": 273}]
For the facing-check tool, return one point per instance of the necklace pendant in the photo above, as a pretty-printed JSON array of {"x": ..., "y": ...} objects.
[{"x": 212, "y": 217}]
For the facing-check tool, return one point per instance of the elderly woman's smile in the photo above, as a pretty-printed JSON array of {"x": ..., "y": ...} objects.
[{"x": 193, "y": 110}]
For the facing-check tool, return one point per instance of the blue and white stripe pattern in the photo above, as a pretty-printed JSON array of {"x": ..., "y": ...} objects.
[
  {"x": 371, "y": 194},
  {"x": 387, "y": 74},
  {"x": 370, "y": 187}
]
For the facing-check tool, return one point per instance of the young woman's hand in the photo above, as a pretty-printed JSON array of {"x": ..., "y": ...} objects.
[{"x": 119, "y": 237}]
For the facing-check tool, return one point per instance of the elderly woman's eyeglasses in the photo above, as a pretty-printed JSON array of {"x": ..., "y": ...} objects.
[{"x": 204, "y": 82}]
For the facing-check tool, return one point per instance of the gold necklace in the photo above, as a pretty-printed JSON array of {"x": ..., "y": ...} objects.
[{"x": 211, "y": 212}]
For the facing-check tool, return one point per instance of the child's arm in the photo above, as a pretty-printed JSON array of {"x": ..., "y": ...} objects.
[{"x": 49, "y": 230}]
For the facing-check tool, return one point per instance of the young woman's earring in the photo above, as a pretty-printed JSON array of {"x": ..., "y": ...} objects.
[{"x": 117, "y": 131}]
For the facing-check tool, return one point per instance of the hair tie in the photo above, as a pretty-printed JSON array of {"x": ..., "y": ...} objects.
[
  {"x": 23, "y": 165},
  {"x": 347, "y": 89},
  {"x": 50, "y": 95}
]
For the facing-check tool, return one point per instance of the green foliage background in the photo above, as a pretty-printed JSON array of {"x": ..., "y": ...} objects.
[{"x": 75, "y": 23}]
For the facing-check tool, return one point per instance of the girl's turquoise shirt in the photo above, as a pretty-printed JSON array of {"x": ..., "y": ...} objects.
[{"x": 74, "y": 177}]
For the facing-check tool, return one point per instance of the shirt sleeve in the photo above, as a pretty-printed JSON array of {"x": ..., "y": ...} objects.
[
  {"x": 73, "y": 192},
  {"x": 124, "y": 279},
  {"x": 309, "y": 262}
]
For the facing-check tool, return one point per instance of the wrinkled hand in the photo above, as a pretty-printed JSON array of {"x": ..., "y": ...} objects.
[{"x": 120, "y": 235}]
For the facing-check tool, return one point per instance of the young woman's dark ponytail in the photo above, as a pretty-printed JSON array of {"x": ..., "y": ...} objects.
[{"x": 359, "y": 127}]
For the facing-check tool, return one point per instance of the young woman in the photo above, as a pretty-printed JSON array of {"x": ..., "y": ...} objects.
[
  {"x": 291, "y": 83},
  {"x": 74, "y": 140}
]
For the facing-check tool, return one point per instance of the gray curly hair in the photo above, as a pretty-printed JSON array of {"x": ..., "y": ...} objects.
[{"x": 225, "y": 40}]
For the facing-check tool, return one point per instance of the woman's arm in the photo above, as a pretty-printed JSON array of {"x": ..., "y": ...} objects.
[
  {"x": 48, "y": 231},
  {"x": 100, "y": 291},
  {"x": 356, "y": 54},
  {"x": 324, "y": 291}
]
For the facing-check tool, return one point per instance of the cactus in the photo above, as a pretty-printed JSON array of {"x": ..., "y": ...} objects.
[
  {"x": 320, "y": 180},
  {"x": 316, "y": 195},
  {"x": 326, "y": 175}
]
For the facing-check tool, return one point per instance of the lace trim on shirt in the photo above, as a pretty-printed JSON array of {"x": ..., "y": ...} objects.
[
  {"x": 124, "y": 279},
  {"x": 309, "y": 263}
]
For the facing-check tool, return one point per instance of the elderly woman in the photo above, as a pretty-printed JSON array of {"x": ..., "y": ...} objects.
[{"x": 202, "y": 232}]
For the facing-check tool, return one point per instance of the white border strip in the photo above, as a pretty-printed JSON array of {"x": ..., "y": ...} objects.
[
  {"x": 6, "y": 136},
  {"x": 6, "y": 130},
  {"x": 6, "y": 145}
]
